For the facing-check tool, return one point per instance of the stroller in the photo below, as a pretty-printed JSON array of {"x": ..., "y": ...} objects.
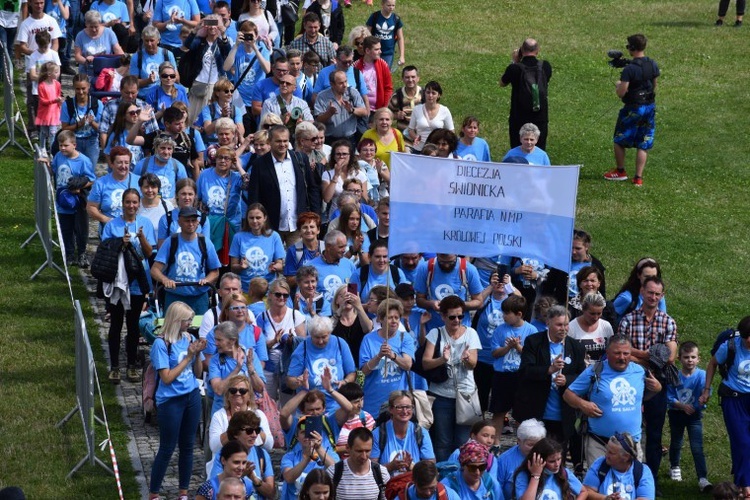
[{"x": 149, "y": 325}]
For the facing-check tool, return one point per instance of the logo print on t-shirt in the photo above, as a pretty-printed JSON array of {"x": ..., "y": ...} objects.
[
  {"x": 176, "y": 11},
  {"x": 319, "y": 365},
  {"x": 444, "y": 290},
  {"x": 108, "y": 16},
  {"x": 216, "y": 196},
  {"x": 549, "y": 495},
  {"x": 187, "y": 266},
  {"x": 63, "y": 175},
  {"x": 152, "y": 67},
  {"x": 623, "y": 394},
  {"x": 256, "y": 260},
  {"x": 385, "y": 30},
  {"x": 469, "y": 157},
  {"x": 621, "y": 489},
  {"x": 494, "y": 319},
  {"x": 331, "y": 283},
  {"x": 166, "y": 186},
  {"x": 115, "y": 206},
  {"x": 743, "y": 370},
  {"x": 685, "y": 396}
]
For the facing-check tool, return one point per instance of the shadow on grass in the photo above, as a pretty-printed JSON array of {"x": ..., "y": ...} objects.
[{"x": 682, "y": 24}]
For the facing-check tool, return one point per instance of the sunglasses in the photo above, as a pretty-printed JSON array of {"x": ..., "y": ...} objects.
[
  {"x": 172, "y": 76},
  {"x": 280, "y": 295},
  {"x": 224, "y": 91},
  {"x": 251, "y": 430},
  {"x": 235, "y": 390},
  {"x": 237, "y": 308},
  {"x": 134, "y": 112},
  {"x": 285, "y": 84},
  {"x": 476, "y": 467},
  {"x": 454, "y": 317}
]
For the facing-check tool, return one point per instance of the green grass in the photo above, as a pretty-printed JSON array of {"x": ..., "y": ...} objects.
[{"x": 690, "y": 213}]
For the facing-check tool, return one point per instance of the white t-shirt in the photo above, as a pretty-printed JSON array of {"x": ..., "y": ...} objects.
[
  {"x": 423, "y": 125},
  {"x": 465, "y": 377},
  {"x": 154, "y": 213},
  {"x": 360, "y": 175},
  {"x": 594, "y": 342},
  {"x": 38, "y": 59},
  {"x": 30, "y": 27}
]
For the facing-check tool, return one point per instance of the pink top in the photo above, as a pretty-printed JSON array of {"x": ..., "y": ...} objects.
[{"x": 49, "y": 109}]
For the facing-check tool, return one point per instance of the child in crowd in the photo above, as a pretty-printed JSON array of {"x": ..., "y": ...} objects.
[
  {"x": 311, "y": 67},
  {"x": 34, "y": 64},
  {"x": 685, "y": 411},
  {"x": 357, "y": 417},
  {"x": 507, "y": 344},
  {"x": 387, "y": 26},
  {"x": 256, "y": 295},
  {"x": 50, "y": 104},
  {"x": 69, "y": 164}
]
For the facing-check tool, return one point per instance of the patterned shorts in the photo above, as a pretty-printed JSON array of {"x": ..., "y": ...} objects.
[{"x": 635, "y": 126}]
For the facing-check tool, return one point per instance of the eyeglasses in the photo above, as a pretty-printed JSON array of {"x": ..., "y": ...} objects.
[
  {"x": 224, "y": 158},
  {"x": 235, "y": 390},
  {"x": 224, "y": 91},
  {"x": 358, "y": 43},
  {"x": 347, "y": 63},
  {"x": 286, "y": 84},
  {"x": 281, "y": 71},
  {"x": 341, "y": 155},
  {"x": 317, "y": 139},
  {"x": 165, "y": 75},
  {"x": 454, "y": 317},
  {"x": 281, "y": 295},
  {"x": 355, "y": 191},
  {"x": 476, "y": 467},
  {"x": 251, "y": 430},
  {"x": 237, "y": 308},
  {"x": 403, "y": 408}
]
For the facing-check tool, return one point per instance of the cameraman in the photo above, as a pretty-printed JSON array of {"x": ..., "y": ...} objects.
[{"x": 636, "y": 122}]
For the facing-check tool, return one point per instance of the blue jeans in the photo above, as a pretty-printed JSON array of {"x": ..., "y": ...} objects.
[
  {"x": 89, "y": 148},
  {"x": 7, "y": 37},
  {"x": 654, "y": 414},
  {"x": 678, "y": 422},
  {"x": 446, "y": 435},
  {"x": 178, "y": 422}
]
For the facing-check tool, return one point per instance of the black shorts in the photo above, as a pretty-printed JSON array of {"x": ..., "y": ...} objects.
[{"x": 504, "y": 386}]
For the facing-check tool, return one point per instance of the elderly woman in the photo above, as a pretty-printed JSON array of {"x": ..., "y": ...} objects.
[
  {"x": 305, "y": 140},
  {"x": 318, "y": 354},
  {"x": 457, "y": 347},
  {"x": 399, "y": 443},
  {"x": 428, "y": 116},
  {"x": 229, "y": 360},
  {"x": 219, "y": 188},
  {"x": 279, "y": 325},
  {"x": 310, "y": 452},
  {"x": 527, "y": 435},
  {"x": 305, "y": 250},
  {"x": 308, "y": 300},
  {"x": 244, "y": 426},
  {"x": 220, "y": 106},
  {"x": 544, "y": 470},
  {"x": 146, "y": 61},
  {"x": 385, "y": 358},
  {"x": 616, "y": 471},
  {"x": 473, "y": 481},
  {"x": 529, "y": 135},
  {"x": 387, "y": 139},
  {"x": 161, "y": 163},
  {"x": 589, "y": 328},
  {"x": 177, "y": 361},
  {"x": 207, "y": 39},
  {"x": 378, "y": 174},
  {"x": 239, "y": 397},
  {"x": 167, "y": 92},
  {"x": 94, "y": 40},
  {"x": 104, "y": 202}
]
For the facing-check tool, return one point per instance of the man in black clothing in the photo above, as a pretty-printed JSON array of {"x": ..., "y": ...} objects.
[{"x": 529, "y": 78}]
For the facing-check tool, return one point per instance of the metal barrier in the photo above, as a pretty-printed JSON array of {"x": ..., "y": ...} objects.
[
  {"x": 43, "y": 199},
  {"x": 9, "y": 98},
  {"x": 84, "y": 393}
]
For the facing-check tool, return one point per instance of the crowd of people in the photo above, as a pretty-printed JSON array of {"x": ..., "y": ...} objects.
[{"x": 248, "y": 156}]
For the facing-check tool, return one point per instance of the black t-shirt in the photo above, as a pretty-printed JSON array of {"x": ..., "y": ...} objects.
[
  {"x": 520, "y": 97},
  {"x": 184, "y": 150},
  {"x": 639, "y": 74}
]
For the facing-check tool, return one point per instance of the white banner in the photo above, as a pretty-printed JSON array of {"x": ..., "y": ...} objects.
[{"x": 482, "y": 209}]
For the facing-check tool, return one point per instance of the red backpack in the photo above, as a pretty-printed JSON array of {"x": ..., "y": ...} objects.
[{"x": 397, "y": 487}]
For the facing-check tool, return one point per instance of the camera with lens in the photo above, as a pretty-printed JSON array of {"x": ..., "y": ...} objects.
[
  {"x": 616, "y": 59},
  {"x": 296, "y": 113}
]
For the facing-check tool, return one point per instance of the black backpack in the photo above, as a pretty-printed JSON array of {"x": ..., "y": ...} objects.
[
  {"x": 173, "y": 252},
  {"x": 536, "y": 84},
  {"x": 364, "y": 273},
  {"x": 377, "y": 474},
  {"x": 727, "y": 335},
  {"x": 202, "y": 220},
  {"x": 637, "y": 472}
]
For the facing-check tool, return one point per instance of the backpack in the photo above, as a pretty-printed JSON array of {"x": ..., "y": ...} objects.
[
  {"x": 377, "y": 474},
  {"x": 149, "y": 384},
  {"x": 645, "y": 93},
  {"x": 462, "y": 263},
  {"x": 173, "y": 252},
  {"x": 727, "y": 335},
  {"x": 144, "y": 165},
  {"x": 299, "y": 250},
  {"x": 637, "y": 472},
  {"x": 364, "y": 273},
  {"x": 435, "y": 375},
  {"x": 536, "y": 84}
]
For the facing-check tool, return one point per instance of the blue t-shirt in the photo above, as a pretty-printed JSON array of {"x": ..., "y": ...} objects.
[
  {"x": 212, "y": 191},
  {"x": 688, "y": 390},
  {"x": 163, "y": 12},
  {"x": 162, "y": 358},
  {"x": 374, "y": 280},
  {"x": 739, "y": 372},
  {"x": 411, "y": 494},
  {"x": 188, "y": 264},
  {"x": 290, "y": 491},
  {"x": 395, "y": 446},
  {"x": 335, "y": 356},
  {"x": 252, "y": 456},
  {"x": 618, "y": 395},
  {"x": 150, "y": 65},
  {"x": 104, "y": 44},
  {"x": 162, "y": 232},
  {"x": 53, "y": 10},
  {"x": 491, "y": 464},
  {"x": 536, "y": 157},
  {"x": 622, "y": 482},
  {"x": 444, "y": 284},
  {"x": 386, "y": 29},
  {"x": 158, "y": 99},
  {"x": 246, "y": 341},
  {"x": 242, "y": 60},
  {"x": 332, "y": 276},
  {"x": 64, "y": 168},
  {"x": 260, "y": 251},
  {"x": 220, "y": 367},
  {"x": 511, "y": 362},
  {"x": 387, "y": 375},
  {"x": 479, "y": 150},
  {"x": 329, "y": 423},
  {"x": 136, "y": 152},
  {"x": 107, "y": 192},
  {"x": 118, "y": 10},
  {"x": 488, "y": 487},
  {"x": 168, "y": 174},
  {"x": 212, "y": 112},
  {"x": 116, "y": 229},
  {"x": 79, "y": 112},
  {"x": 507, "y": 463},
  {"x": 294, "y": 260},
  {"x": 551, "y": 487},
  {"x": 623, "y": 300},
  {"x": 489, "y": 319},
  {"x": 322, "y": 309},
  {"x": 553, "y": 410}
]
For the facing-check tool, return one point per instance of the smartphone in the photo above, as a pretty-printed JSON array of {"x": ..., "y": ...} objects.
[
  {"x": 210, "y": 22},
  {"x": 352, "y": 288},
  {"x": 313, "y": 424},
  {"x": 502, "y": 270}
]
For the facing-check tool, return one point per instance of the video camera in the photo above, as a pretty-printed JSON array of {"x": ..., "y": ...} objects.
[{"x": 616, "y": 59}]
